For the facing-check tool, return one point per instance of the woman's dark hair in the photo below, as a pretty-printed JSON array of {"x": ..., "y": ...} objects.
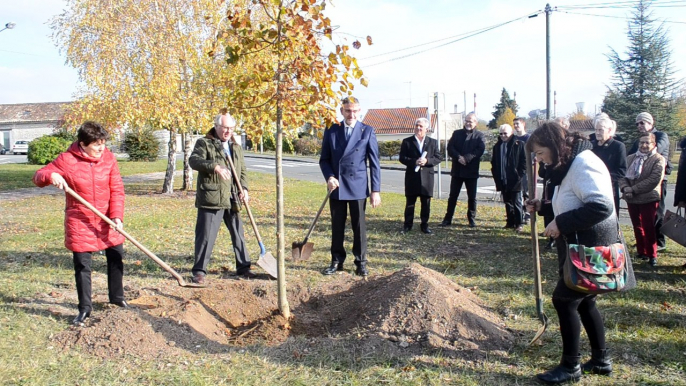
[
  {"x": 554, "y": 137},
  {"x": 90, "y": 132}
]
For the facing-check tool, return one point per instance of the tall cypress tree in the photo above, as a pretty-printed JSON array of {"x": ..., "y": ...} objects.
[
  {"x": 505, "y": 102},
  {"x": 644, "y": 79}
]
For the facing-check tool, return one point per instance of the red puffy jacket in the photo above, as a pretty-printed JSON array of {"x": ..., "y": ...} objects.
[{"x": 96, "y": 180}]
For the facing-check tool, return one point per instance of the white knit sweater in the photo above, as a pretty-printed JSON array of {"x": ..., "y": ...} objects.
[{"x": 586, "y": 181}]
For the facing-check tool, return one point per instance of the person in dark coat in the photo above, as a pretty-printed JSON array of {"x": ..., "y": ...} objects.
[
  {"x": 611, "y": 151},
  {"x": 217, "y": 197},
  {"x": 420, "y": 154},
  {"x": 645, "y": 124},
  {"x": 519, "y": 131},
  {"x": 347, "y": 148},
  {"x": 680, "y": 189},
  {"x": 508, "y": 166},
  {"x": 465, "y": 147}
]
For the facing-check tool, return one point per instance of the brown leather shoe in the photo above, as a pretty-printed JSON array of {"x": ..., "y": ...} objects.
[{"x": 198, "y": 278}]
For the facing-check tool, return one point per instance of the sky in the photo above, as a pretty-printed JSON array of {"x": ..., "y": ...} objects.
[{"x": 512, "y": 56}]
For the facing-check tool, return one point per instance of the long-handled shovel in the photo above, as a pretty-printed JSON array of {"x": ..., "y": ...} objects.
[
  {"x": 140, "y": 246},
  {"x": 266, "y": 260},
  {"x": 303, "y": 250},
  {"x": 532, "y": 175}
]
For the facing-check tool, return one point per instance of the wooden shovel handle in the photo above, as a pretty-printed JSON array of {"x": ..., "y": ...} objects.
[
  {"x": 319, "y": 212},
  {"x": 237, "y": 179}
]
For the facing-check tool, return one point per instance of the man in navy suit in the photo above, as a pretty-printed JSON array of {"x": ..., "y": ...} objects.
[
  {"x": 419, "y": 153},
  {"x": 346, "y": 149}
]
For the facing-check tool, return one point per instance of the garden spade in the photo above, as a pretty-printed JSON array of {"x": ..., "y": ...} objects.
[
  {"x": 532, "y": 176},
  {"x": 140, "y": 246},
  {"x": 303, "y": 250},
  {"x": 266, "y": 260}
]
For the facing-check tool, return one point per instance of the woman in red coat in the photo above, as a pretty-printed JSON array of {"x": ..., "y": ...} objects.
[{"x": 91, "y": 170}]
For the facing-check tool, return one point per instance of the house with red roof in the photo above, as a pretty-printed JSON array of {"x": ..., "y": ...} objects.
[
  {"x": 28, "y": 121},
  {"x": 392, "y": 124}
]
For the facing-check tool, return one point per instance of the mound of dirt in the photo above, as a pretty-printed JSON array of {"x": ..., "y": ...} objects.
[{"x": 414, "y": 307}]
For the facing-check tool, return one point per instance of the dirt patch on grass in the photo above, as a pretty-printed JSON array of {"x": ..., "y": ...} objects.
[{"x": 414, "y": 308}]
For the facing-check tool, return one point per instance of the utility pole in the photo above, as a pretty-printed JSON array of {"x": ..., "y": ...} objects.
[
  {"x": 548, "y": 11},
  {"x": 438, "y": 139}
]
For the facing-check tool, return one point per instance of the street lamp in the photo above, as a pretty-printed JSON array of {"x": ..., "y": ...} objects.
[{"x": 9, "y": 25}]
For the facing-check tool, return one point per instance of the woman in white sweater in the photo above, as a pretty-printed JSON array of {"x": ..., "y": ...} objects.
[{"x": 584, "y": 214}]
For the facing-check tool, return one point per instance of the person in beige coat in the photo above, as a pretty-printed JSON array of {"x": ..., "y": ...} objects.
[{"x": 641, "y": 191}]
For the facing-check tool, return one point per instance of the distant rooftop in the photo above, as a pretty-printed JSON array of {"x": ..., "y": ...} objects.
[
  {"x": 33, "y": 112},
  {"x": 397, "y": 120}
]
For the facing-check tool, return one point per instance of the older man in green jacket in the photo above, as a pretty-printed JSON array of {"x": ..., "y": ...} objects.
[{"x": 217, "y": 197}]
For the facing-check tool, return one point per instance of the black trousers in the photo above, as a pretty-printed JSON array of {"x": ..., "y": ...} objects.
[
  {"x": 115, "y": 276},
  {"x": 575, "y": 309},
  {"x": 206, "y": 228},
  {"x": 424, "y": 213},
  {"x": 513, "y": 208},
  {"x": 339, "y": 214},
  {"x": 661, "y": 242},
  {"x": 455, "y": 187}
]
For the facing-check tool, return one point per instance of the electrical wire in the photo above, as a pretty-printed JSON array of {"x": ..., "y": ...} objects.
[{"x": 469, "y": 34}]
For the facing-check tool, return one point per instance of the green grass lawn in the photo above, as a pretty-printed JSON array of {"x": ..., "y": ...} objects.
[{"x": 646, "y": 328}]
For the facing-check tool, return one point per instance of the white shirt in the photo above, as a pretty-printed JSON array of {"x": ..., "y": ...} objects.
[{"x": 420, "y": 143}]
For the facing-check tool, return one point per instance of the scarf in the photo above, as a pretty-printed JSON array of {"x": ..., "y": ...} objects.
[{"x": 636, "y": 166}]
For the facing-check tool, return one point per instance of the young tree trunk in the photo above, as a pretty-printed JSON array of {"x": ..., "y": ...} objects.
[
  {"x": 168, "y": 187},
  {"x": 280, "y": 229},
  {"x": 187, "y": 171}
]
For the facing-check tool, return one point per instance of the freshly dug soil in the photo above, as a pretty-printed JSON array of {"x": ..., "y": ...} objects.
[{"x": 415, "y": 308}]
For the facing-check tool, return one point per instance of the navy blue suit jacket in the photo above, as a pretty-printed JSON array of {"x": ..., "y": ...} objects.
[{"x": 347, "y": 161}]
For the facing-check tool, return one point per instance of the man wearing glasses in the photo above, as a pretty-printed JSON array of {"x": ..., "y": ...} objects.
[
  {"x": 644, "y": 124},
  {"x": 508, "y": 166},
  {"x": 465, "y": 147},
  {"x": 347, "y": 148},
  {"x": 217, "y": 198}
]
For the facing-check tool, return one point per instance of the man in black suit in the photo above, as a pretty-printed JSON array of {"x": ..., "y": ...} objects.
[
  {"x": 465, "y": 147},
  {"x": 644, "y": 124},
  {"x": 419, "y": 153},
  {"x": 508, "y": 166}
]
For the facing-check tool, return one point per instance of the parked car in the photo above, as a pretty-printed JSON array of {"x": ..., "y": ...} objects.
[
  {"x": 20, "y": 147},
  {"x": 2, "y": 150}
]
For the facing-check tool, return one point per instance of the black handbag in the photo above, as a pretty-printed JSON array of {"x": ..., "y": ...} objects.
[{"x": 674, "y": 226}]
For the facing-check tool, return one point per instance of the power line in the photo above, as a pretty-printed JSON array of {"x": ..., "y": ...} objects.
[
  {"x": 617, "y": 17},
  {"x": 470, "y": 34}
]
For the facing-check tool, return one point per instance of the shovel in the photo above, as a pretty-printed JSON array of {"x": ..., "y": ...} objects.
[
  {"x": 266, "y": 260},
  {"x": 303, "y": 250},
  {"x": 145, "y": 250},
  {"x": 532, "y": 175}
]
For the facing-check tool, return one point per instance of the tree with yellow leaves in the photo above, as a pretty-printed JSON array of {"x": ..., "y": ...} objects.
[
  {"x": 145, "y": 63},
  {"x": 286, "y": 78}
]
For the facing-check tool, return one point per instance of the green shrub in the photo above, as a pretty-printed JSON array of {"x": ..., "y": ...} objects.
[
  {"x": 389, "y": 148},
  {"x": 141, "y": 145},
  {"x": 307, "y": 145},
  {"x": 45, "y": 149},
  {"x": 269, "y": 143}
]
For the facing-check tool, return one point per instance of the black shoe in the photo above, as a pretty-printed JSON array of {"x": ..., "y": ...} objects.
[
  {"x": 567, "y": 371},
  {"x": 247, "y": 274},
  {"x": 652, "y": 261},
  {"x": 333, "y": 268},
  {"x": 427, "y": 231},
  {"x": 362, "y": 271},
  {"x": 472, "y": 224},
  {"x": 122, "y": 304},
  {"x": 446, "y": 223},
  {"x": 198, "y": 278},
  {"x": 600, "y": 363},
  {"x": 80, "y": 319},
  {"x": 406, "y": 229}
]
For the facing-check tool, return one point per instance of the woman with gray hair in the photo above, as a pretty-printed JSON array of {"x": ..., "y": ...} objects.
[{"x": 611, "y": 151}]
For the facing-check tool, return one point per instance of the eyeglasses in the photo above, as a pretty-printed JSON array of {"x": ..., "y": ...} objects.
[
  {"x": 645, "y": 143},
  {"x": 502, "y": 134},
  {"x": 225, "y": 127},
  {"x": 640, "y": 123}
]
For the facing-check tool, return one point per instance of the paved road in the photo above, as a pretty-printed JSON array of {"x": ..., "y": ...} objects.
[
  {"x": 392, "y": 180},
  {"x": 12, "y": 159}
]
